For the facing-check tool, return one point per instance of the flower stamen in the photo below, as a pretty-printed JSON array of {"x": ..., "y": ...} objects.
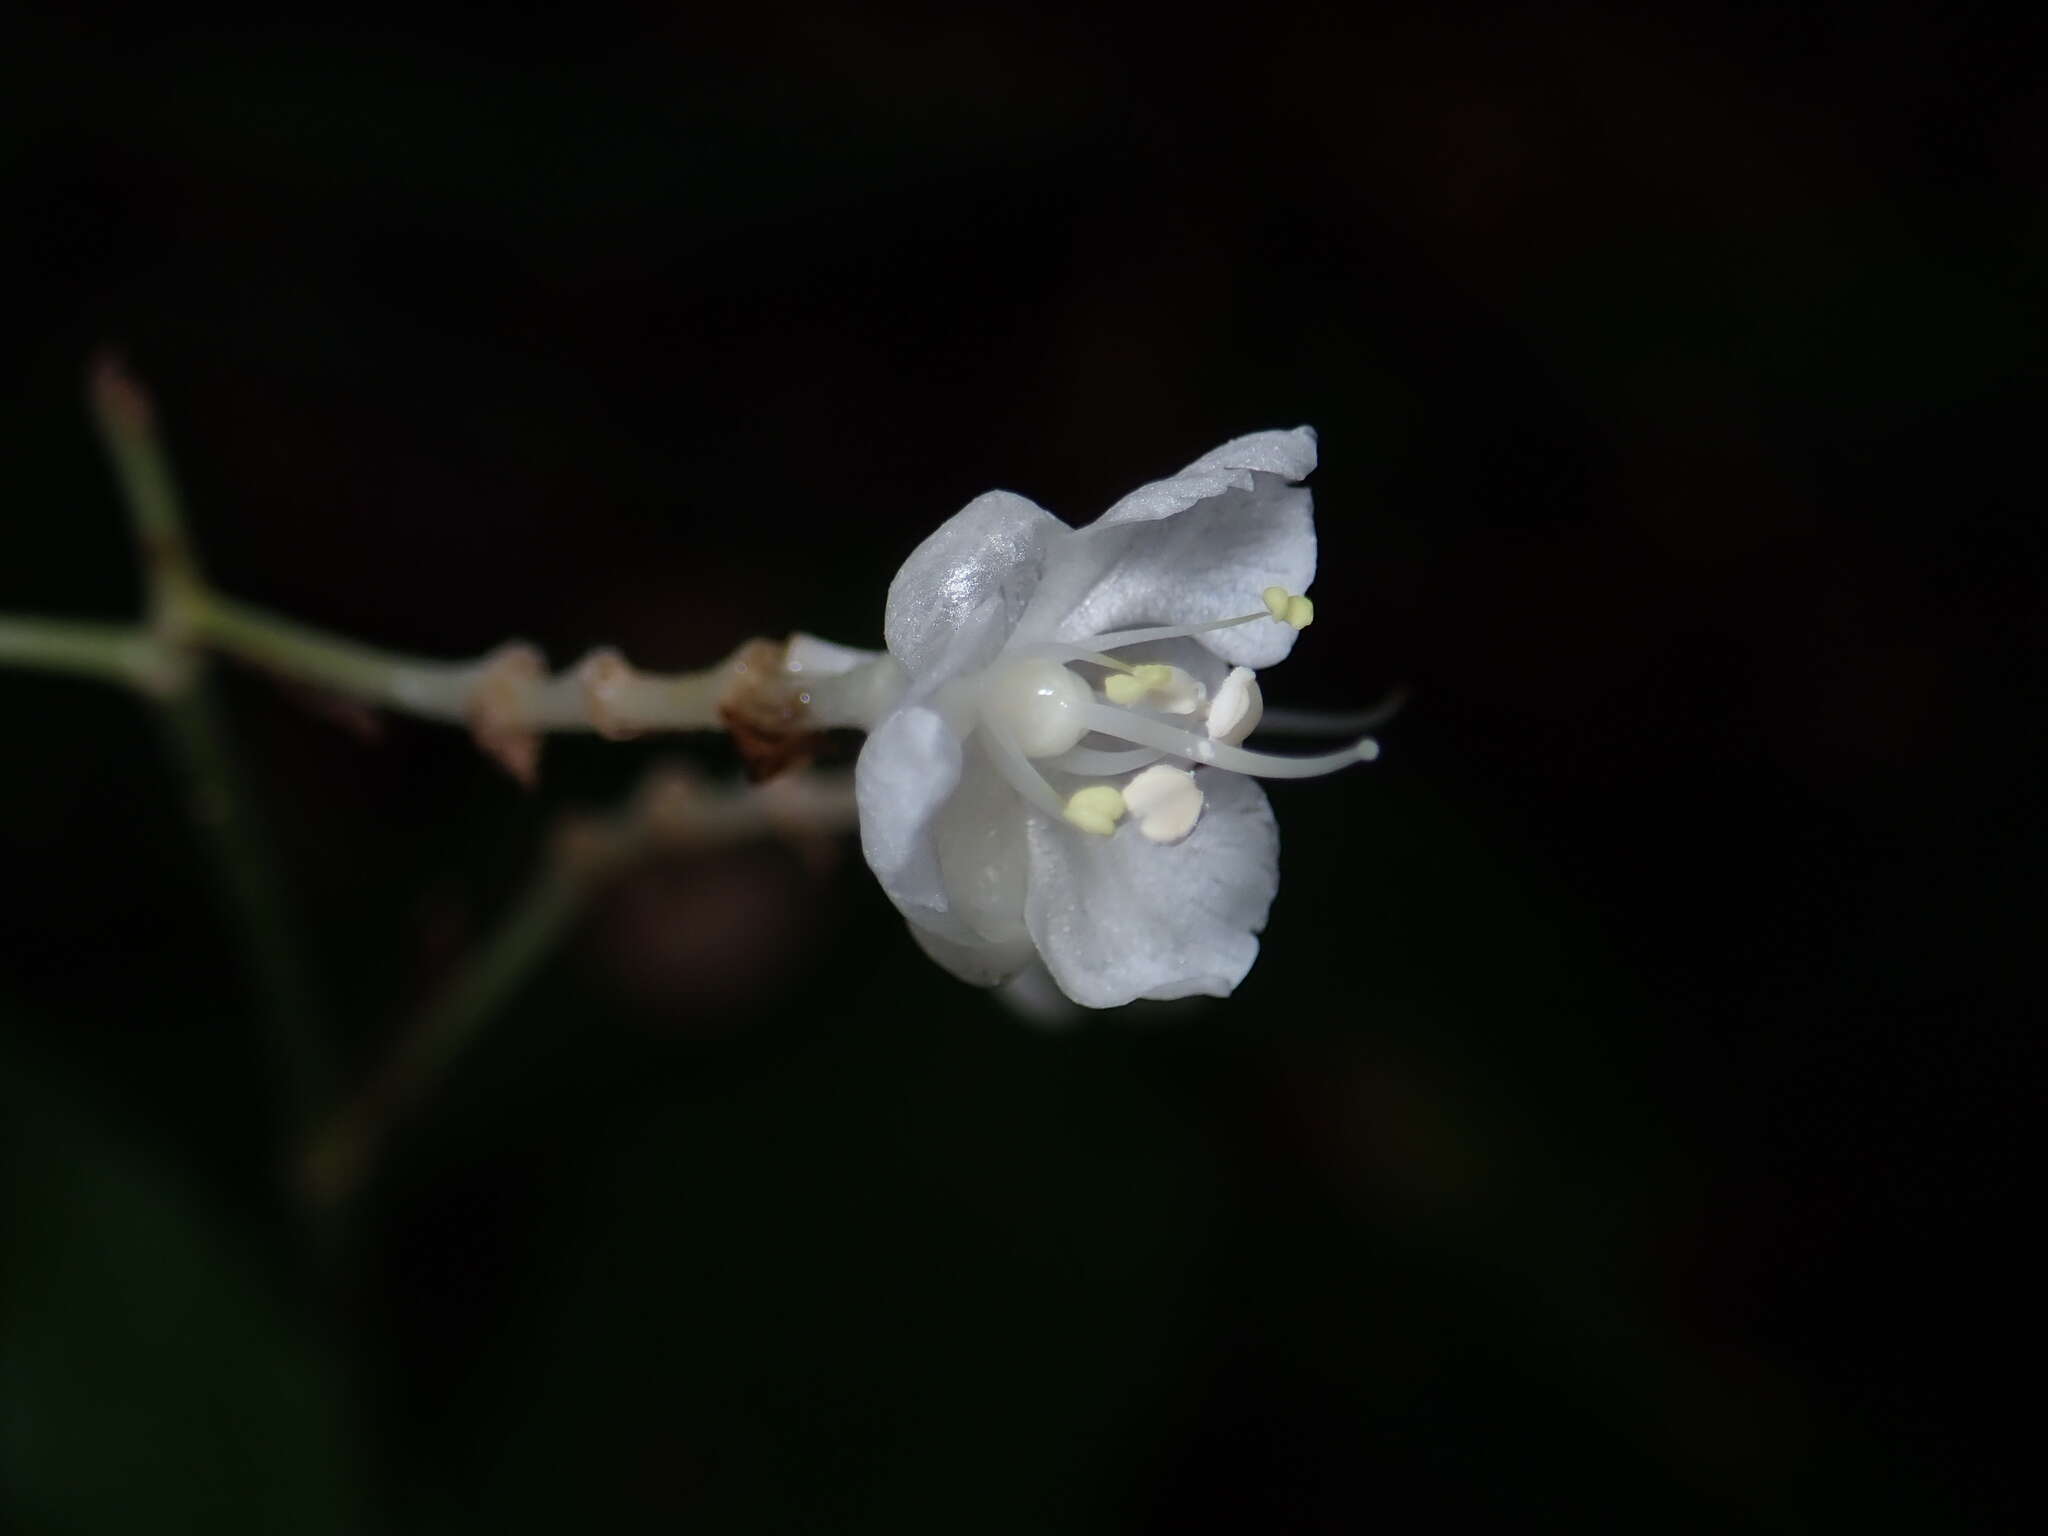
[
  {"x": 1143, "y": 731},
  {"x": 1237, "y": 708},
  {"x": 1014, "y": 766},
  {"x": 1093, "y": 763},
  {"x": 1165, "y": 802},
  {"x": 1312, "y": 722},
  {"x": 1096, "y": 809},
  {"x": 1052, "y": 650},
  {"x": 1289, "y": 607},
  {"x": 1294, "y": 609},
  {"x": 1168, "y": 688}
]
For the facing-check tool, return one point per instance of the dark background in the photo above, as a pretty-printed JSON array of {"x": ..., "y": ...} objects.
[{"x": 1620, "y": 1125}]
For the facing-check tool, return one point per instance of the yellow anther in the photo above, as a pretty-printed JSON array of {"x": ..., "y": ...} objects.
[
  {"x": 1156, "y": 684},
  {"x": 1124, "y": 687},
  {"x": 1096, "y": 809},
  {"x": 1289, "y": 607}
]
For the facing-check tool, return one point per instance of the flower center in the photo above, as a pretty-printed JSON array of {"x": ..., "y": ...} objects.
[
  {"x": 1034, "y": 710},
  {"x": 1037, "y": 703}
]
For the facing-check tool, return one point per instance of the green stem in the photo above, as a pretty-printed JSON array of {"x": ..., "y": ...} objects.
[
  {"x": 538, "y": 921},
  {"x": 126, "y": 419},
  {"x": 114, "y": 653},
  {"x": 507, "y": 688},
  {"x": 600, "y": 694},
  {"x": 506, "y": 698},
  {"x": 439, "y": 690},
  {"x": 220, "y": 807},
  {"x": 199, "y": 740}
]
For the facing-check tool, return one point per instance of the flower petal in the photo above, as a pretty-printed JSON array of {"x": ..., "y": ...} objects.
[
  {"x": 1209, "y": 562},
  {"x": 945, "y": 836},
  {"x": 978, "y": 963},
  {"x": 907, "y": 769},
  {"x": 1288, "y": 455},
  {"x": 959, "y": 594},
  {"x": 1117, "y": 918},
  {"x": 1036, "y": 998},
  {"x": 1197, "y": 547},
  {"x": 978, "y": 835}
]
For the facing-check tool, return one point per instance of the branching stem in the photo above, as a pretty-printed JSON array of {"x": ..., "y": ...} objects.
[
  {"x": 160, "y": 660},
  {"x": 114, "y": 653},
  {"x": 771, "y": 699},
  {"x": 506, "y": 698}
]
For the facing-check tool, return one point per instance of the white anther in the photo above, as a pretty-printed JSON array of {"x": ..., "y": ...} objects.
[
  {"x": 1234, "y": 714},
  {"x": 1096, "y": 809},
  {"x": 1036, "y": 703},
  {"x": 1165, "y": 802}
]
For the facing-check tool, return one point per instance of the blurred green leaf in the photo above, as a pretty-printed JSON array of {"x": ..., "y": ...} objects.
[{"x": 150, "y": 1377}]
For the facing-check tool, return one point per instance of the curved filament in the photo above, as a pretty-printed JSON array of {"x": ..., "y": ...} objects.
[{"x": 1189, "y": 747}]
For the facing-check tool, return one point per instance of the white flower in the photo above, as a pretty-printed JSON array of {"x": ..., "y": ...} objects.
[{"x": 1052, "y": 771}]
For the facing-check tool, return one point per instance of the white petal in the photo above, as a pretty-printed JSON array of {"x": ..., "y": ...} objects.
[
  {"x": 1210, "y": 561},
  {"x": 1036, "y": 998},
  {"x": 979, "y": 837},
  {"x": 1288, "y": 455},
  {"x": 1117, "y": 918},
  {"x": 959, "y": 594},
  {"x": 976, "y": 961},
  {"x": 907, "y": 769}
]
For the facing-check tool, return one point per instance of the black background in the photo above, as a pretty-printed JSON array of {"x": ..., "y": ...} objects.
[{"x": 1620, "y": 1124}]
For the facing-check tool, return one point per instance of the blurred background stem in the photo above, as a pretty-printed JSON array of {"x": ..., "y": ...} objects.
[
  {"x": 506, "y": 698},
  {"x": 113, "y": 653},
  {"x": 197, "y": 736},
  {"x": 673, "y": 811},
  {"x": 505, "y": 693}
]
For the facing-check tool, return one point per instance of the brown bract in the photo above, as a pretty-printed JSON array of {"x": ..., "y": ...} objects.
[
  {"x": 602, "y": 677},
  {"x": 498, "y": 710},
  {"x": 763, "y": 713}
]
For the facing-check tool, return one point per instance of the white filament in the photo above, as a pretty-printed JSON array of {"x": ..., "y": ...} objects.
[
  {"x": 1094, "y": 763},
  {"x": 1011, "y": 762},
  {"x": 1186, "y": 745}
]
